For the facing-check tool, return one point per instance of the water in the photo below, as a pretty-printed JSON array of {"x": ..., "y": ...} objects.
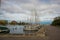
[{"x": 16, "y": 29}]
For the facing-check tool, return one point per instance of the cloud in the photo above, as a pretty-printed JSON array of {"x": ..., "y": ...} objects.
[
  {"x": 49, "y": 1},
  {"x": 15, "y": 9}
]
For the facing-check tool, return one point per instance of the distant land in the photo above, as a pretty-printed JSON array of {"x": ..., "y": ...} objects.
[
  {"x": 45, "y": 22},
  {"x": 41, "y": 22}
]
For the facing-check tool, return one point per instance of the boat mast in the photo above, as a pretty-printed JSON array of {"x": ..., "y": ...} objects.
[{"x": 34, "y": 16}]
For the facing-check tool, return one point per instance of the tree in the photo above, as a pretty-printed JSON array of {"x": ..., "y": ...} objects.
[
  {"x": 3, "y": 22},
  {"x": 13, "y": 23},
  {"x": 56, "y": 21}
]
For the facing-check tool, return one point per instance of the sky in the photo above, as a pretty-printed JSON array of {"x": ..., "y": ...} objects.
[{"x": 22, "y": 9}]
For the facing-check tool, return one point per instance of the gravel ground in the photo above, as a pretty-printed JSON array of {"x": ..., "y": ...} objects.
[
  {"x": 18, "y": 38},
  {"x": 52, "y": 33}
]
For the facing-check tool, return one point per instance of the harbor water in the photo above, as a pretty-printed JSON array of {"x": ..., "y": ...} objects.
[
  {"x": 16, "y": 29},
  {"x": 19, "y": 29}
]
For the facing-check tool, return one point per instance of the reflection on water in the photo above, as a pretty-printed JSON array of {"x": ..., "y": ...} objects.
[{"x": 17, "y": 29}]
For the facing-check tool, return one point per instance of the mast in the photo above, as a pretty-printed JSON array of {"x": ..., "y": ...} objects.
[{"x": 34, "y": 16}]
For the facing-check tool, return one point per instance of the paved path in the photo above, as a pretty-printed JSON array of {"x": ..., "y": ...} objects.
[{"x": 53, "y": 33}]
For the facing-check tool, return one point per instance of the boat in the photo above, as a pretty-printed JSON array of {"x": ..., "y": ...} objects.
[
  {"x": 30, "y": 28},
  {"x": 4, "y": 30}
]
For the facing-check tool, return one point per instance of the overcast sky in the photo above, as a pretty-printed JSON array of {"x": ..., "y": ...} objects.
[{"x": 23, "y": 9}]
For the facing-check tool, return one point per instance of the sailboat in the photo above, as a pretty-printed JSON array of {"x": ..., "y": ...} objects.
[{"x": 34, "y": 26}]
